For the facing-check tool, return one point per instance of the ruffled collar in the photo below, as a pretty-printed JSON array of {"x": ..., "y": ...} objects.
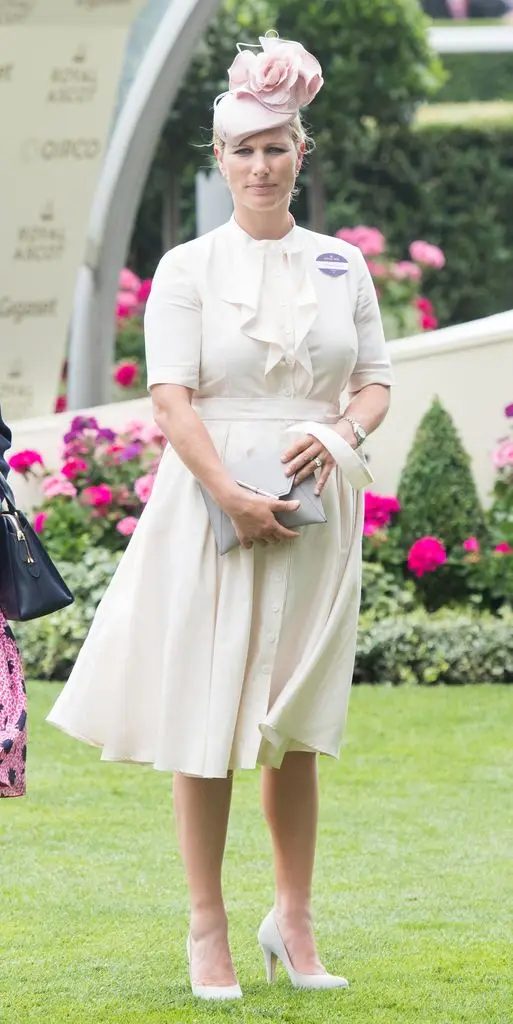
[{"x": 243, "y": 287}]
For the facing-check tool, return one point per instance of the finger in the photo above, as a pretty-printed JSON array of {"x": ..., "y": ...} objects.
[
  {"x": 247, "y": 544},
  {"x": 281, "y": 533},
  {"x": 296, "y": 448},
  {"x": 304, "y": 459},
  {"x": 323, "y": 478},
  {"x": 285, "y": 506},
  {"x": 312, "y": 467}
]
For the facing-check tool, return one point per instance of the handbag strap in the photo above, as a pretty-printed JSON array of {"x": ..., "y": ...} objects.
[{"x": 6, "y": 494}]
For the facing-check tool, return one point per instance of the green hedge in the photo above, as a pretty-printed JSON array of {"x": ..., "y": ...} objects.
[
  {"x": 477, "y": 76},
  {"x": 451, "y": 186}
]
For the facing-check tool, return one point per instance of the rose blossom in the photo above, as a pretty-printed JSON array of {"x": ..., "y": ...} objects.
[
  {"x": 58, "y": 486},
  {"x": 126, "y": 373},
  {"x": 425, "y": 305},
  {"x": 429, "y": 255},
  {"x": 127, "y": 525},
  {"x": 99, "y": 497},
  {"x": 428, "y": 322},
  {"x": 23, "y": 461},
  {"x": 378, "y": 511},
  {"x": 406, "y": 270},
  {"x": 144, "y": 290},
  {"x": 508, "y": 411},
  {"x": 471, "y": 544},
  {"x": 503, "y": 549},
  {"x": 73, "y": 467},
  {"x": 503, "y": 455},
  {"x": 378, "y": 270},
  {"x": 369, "y": 240},
  {"x": 426, "y": 555},
  {"x": 39, "y": 521},
  {"x": 61, "y": 403},
  {"x": 143, "y": 487},
  {"x": 128, "y": 281}
]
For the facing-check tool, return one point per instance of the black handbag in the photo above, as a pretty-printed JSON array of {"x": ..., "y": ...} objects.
[{"x": 30, "y": 585}]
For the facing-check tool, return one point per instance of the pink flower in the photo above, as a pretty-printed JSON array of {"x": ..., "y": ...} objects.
[
  {"x": 503, "y": 549},
  {"x": 126, "y": 305},
  {"x": 369, "y": 240},
  {"x": 23, "y": 461},
  {"x": 503, "y": 455},
  {"x": 128, "y": 281},
  {"x": 428, "y": 255},
  {"x": 144, "y": 290},
  {"x": 378, "y": 511},
  {"x": 151, "y": 434},
  {"x": 73, "y": 467},
  {"x": 99, "y": 497},
  {"x": 61, "y": 404},
  {"x": 283, "y": 77},
  {"x": 426, "y": 555},
  {"x": 378, "y": 271},
  {"x": 405, "y": 270},
  {"x": 127, "y": 525},
  {"x": 58, "y": 486},
  {"x": 471, "y": 544},
  {"x": 39, "y": 521},
  {"x": 428, "y": 322},
  {"x": 509, "y": 411},
  {"x": 126, "y": 373},
  {"x": 143, "y": 487},
  {"x": 425, "y": 305}
]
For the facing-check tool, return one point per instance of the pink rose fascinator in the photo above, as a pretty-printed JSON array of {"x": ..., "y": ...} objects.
[{"x": 266, "y": 89}]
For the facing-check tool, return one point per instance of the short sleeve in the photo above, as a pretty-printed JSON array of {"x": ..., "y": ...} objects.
[
  {"x": 172, "y": 324},
  {"x": 373, "y": 364}
]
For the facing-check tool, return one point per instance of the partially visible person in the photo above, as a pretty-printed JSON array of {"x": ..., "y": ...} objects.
[
  {"x": 13, "y": 713},
  {"x": 447, "y": 9}
]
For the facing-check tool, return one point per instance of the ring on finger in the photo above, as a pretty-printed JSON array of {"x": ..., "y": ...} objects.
[{"x": 318, "y": 462}]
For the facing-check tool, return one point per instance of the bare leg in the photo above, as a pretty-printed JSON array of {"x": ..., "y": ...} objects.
[
  {"x": 202, "y": 807},
  {"x": 290, "y": 800}
]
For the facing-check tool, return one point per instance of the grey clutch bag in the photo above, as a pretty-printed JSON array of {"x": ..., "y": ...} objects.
[{"x": 267, "y": 474}]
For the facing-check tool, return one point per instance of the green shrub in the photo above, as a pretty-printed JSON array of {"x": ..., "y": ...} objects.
[
  {"x": 449, "y": 647},
  {"x": 49, "y": 646},
  {"x": 383, "y": 596},
  {"x": 437, "y": 492},
  {"x": 477, "y": 76}
]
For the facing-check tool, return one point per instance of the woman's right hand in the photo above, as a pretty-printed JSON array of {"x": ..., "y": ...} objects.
[{"x": 253, "y": 518}]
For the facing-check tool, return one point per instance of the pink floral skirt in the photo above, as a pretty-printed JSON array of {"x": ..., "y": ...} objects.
[{"x": 13, "y": 716}]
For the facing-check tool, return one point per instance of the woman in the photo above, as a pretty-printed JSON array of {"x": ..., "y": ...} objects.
[
  {"x": 201, "y": 664},
  {"x": 13, "y": 715}
]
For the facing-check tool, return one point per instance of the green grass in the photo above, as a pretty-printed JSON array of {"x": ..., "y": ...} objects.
[{"x": 414, "y": 880}]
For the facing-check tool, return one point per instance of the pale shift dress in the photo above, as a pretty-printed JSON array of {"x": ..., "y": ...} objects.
[{"x": 202, "y": 663}]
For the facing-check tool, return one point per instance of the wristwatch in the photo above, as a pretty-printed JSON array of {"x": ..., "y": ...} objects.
[{"x": 358, "y": 430}]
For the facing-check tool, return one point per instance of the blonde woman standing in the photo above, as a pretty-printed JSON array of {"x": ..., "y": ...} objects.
[{"x": 199, "y": 663}]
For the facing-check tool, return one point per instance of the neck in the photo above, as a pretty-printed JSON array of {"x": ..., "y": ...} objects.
[{"x": 271, "y": 224}]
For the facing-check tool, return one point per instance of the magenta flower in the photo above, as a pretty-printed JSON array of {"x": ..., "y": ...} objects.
[
  {"x": 144, "y": 486},
  {"x": 58, "y": 487},
  {"x": 39, "y": 521},
  {"x": 426, "y": 555},
  {"x": 428, "y": 322},
  {"x": 144, "y": 290},
  {"x": 23, "y": 461},
  {"x": 471, "y": 544},
  {"x": 503, "y": 549},
  {"x": 127, "y": 525},
  {"x": 73, "y": 467},
  {"x": 509, "y": 411},
  {"x": 427, "y": 254},
  {"x": 100, "y": 496},
  {"x": 378, "y": 511},
  {"x": 425, "y": 305},
  {"x": 126, "y": 373}
]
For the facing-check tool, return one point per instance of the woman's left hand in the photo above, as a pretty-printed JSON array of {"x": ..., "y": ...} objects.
[{"x": 300, "y": 461}]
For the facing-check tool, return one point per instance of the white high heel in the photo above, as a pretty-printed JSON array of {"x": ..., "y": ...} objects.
[
  {"x": 211, "y": 991},
  {"x": 273, "y": 948}
]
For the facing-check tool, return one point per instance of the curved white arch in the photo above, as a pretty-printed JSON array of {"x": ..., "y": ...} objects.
[{"x": 118, "y": 194}]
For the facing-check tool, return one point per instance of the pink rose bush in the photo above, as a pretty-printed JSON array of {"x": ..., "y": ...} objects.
[
  {"x": 426, "y": 555},
  {"x": 24, "y": 462},
  {"x": 100, "y": 489},
  {"x": 132, "y": 296},
  {"x": 398, "y": 282}
]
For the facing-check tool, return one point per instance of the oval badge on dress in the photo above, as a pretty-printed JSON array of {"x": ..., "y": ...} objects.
[{"x": 332, "y": 263}]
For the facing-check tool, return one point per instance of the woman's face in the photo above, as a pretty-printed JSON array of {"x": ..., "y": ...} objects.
[{"x": 262, "y": 170}]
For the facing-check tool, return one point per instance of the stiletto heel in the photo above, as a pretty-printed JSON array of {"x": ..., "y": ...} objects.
[
  {"x": 273, "y": 948},
  {"x": 211, "y": 991}
]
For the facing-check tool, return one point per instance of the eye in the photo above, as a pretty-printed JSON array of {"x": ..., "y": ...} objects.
[
  {"x": 276, "y": 149},
  {"x": 242, "y": 152}
]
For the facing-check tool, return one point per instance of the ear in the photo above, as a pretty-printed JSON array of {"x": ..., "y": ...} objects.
[{"x": 219, "y": 157}]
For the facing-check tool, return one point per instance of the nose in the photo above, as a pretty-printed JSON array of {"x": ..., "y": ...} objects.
[{"x": 260, "y": 165}]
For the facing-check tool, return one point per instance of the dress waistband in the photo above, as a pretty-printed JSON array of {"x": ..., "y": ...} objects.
[{"x": 288, "y": 409}]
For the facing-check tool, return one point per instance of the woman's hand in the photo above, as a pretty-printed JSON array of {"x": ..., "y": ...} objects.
[
  {"x": 253, "y": 518},
  {"x": 299, "y": 459}
]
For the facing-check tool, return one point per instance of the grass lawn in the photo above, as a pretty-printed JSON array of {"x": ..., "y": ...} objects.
[{"x": 414, "y": 882}]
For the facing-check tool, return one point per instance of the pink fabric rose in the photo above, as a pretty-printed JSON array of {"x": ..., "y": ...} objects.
[
  {"x": 58, "y": 487},
  {"x": 426, "y": 555},
  {"x": 427, "y": 254},
  {"x": 283, "y": 77},
  {"x": 503, "y": 455},
  {"x": 144, "y": 486},
  {"x": 39, "y": 521},
  {"x": 100, "y": 496},
  {"x": 405, "y": 270},
  {"x": 472, "y": 545},
  {"x": 73, "y": 467},
  {"x": 369, "y": 240},
  {"x": 503, "y": 549},
  {"x": 127, "y": 525},
  {"x": 126, "y": 373},
  {"x": 128, "y": 281},
  {"x": 23, "y": 461}
]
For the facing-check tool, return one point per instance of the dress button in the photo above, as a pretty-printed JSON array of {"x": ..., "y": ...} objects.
[
  {"x": 266, "y": 670},
  {"x": 290, "y": 360},
  {"x": 276, "y": 607},
  {"x": 287, "y": 392},
  {"x": 271, "y": 638}
]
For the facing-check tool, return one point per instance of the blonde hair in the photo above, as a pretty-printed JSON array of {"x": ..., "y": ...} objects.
[{"x": 298, "y": 134}]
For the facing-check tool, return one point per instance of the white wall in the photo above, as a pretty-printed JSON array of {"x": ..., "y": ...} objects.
[{"x": 469, "y": 367}]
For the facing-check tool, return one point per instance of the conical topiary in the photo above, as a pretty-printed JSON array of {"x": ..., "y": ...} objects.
[{"x": 437, "y": 490}]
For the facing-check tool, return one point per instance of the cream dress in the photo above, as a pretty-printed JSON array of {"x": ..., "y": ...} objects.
[{"x": 202, "y": 663}]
